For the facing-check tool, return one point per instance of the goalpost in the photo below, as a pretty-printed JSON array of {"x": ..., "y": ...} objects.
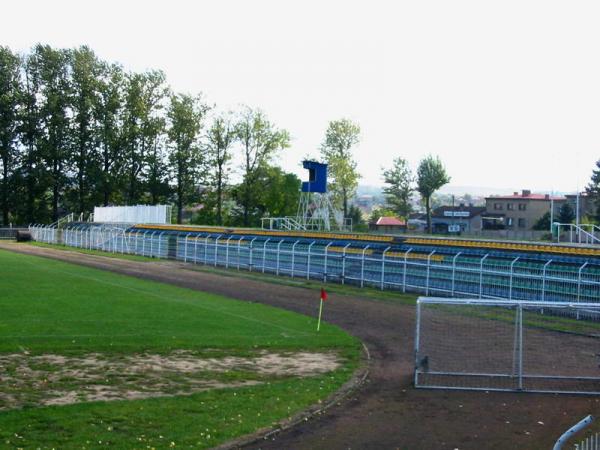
[{"x": 507, "y": 345}]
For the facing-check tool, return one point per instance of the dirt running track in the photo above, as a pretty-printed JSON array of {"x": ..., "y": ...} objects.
[{"x": 386, "y": 413}]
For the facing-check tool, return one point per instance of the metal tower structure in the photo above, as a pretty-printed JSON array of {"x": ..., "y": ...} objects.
[{"x": 315, "y": 211}]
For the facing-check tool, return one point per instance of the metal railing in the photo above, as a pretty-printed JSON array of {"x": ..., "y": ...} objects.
[
  {"x": 458, "y": 275},
  {"x": 584, "y": 233}
]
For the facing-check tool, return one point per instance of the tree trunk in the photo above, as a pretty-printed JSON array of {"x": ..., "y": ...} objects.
[
  {"x": 428, "y": 209},
  {"x": 219, "y": 196},
  {"x": 5, "y": 191}
]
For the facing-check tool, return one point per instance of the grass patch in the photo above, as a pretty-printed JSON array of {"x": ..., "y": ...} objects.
[
  {"x": 52, "y": 307},
  {"x": 86, "y": 251}
]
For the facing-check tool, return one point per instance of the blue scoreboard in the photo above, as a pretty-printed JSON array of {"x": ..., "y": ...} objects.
[{"x": 317, "y": 177}]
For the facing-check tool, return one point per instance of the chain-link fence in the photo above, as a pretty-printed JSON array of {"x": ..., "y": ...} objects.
[{"x": 507, "y": 345}]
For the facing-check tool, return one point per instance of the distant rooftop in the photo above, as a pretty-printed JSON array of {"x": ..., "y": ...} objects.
[
  {"x": 526, "y": 195},
  {"x": 390, "y": 221}
]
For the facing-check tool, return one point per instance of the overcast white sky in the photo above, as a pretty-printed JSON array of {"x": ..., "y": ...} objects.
[{"x": 507, "y": 93}]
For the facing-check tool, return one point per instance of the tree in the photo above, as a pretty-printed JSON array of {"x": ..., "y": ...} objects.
[
  {"x": 336, "y": 150},
  {"x": 31, "y": 173},
  {"x": 108, "y": 112},
  {"x": 220, "y": 138},
  {"x": 398, "y": 193},
  {"x": 543, "y": 223},
  {"x": 143, "y": 126},
  {"x": 260, "y": 140},
  {"x": 280, "y": 193},
  {"x": 566, "y": 213},
  {"x": 10, "y": 100},
  {"x": 358, "y": 222},
  {"x": 185, "y": 115},
  {"x": 55, "y": 91},
  {"x": 593, "y": 189},
  {"x": 85, "y": 71},
  {"x": 431, "y": 175}
]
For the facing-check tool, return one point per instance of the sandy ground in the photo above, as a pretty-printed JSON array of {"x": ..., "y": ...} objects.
[
  {"x": 387, "y": 413},
  {"x": 51, "y": 379}
]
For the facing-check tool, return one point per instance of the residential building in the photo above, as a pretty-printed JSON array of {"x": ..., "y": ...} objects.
[
  {"x": 519, "y": 211},
  {"x": 388, "y": 225},
  {"x": 457, "y": 219}
]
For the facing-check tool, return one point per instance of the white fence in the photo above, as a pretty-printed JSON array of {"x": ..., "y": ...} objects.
[
  {"x": 157, "y": 214},
  {"x": 408, "y": 271}
]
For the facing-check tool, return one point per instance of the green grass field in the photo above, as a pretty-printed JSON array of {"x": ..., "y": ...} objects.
[{"x": 65, "y": 328}]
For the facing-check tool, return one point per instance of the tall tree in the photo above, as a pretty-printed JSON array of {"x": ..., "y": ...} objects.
[
  {"x": 399, "y": 189},
  {"x": 143, "y": 126},
  {"x": 10, "y": 99},
  {"x": 260, "y": 140},
  {"x": 341, "y": 136},
  {"x": 34, "y": 184},
  {"x": 566, "y": 213},
  {"x": 55, "y": 89},
  {"x": 220, "y": 138},
  {"x": 108, "y": 112},
  {"x": 431, "y": 175},
  {"x": 593, "y": 189},
  {"x": 85, "y": 71},
  {"x": 185, "y": 115}
]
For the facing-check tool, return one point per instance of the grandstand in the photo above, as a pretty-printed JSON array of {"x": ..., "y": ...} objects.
[{"x": 434, "y": 266}]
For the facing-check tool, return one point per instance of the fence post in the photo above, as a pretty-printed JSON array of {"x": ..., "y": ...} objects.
[
  {"x": 159, "y": 238},
  {"x": 206, "y": 249},
  {"x": 544, "y": 280},
  {"x": 238, "y": 252},
  {"x": 250, "y": 261},
  {"x": 481, "y": 275},
  {"x": 293, "y": 257},
  {"x": 227, "y": 252},
  {"x": 344, "y": 264},
  {"x": 196, "y": 249},
  {"x": 417, "y": 341},
  {"x": 579, "y": 285},
  {"x": 520, "y": 347},
  {"x": 383, "y": 268},
  {"x": 308, "y": 261},
  {"x": 264, "y": 254},
  {"x": 325, "y": 265},
  {"x": 278, "y": 258},
  {"x": 510, "y": 283},
  {"x": 217, "y": 249},
  {"x": 428, "y": 270},
  {"x": 404, "y": 272},
  {"x": 454, "y": 273},
  {"x": 185, "y": 247},
  {"x": 362, "y": 267}
]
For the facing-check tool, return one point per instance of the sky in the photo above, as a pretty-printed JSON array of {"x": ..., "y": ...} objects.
[{"x": 506, "y": 93}]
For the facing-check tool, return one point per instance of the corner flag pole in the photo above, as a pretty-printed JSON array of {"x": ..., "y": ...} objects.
[{"x": 323, "y": 297}]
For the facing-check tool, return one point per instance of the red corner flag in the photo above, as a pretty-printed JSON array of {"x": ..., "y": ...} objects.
[{"x": 323, "y": 298}]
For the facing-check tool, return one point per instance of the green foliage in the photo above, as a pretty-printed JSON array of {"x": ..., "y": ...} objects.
[
  {"x": 278, "y": 196},
  {"x": 431, "y": 175},
  {"x": 336, "y": 150},
  {"x": 260, "y": 141},
  {"x": 358, "y": 221},
  {"x": 221, "y": 137},
  {"x": 10, "y": 98},
  {"x": 566, "y": 213},
  {"x": 185, "y": 117},
  {"x": 593, "y": 189},
  {"x": 399, "y": 189},
  {"x": 543, "y": 223}
]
